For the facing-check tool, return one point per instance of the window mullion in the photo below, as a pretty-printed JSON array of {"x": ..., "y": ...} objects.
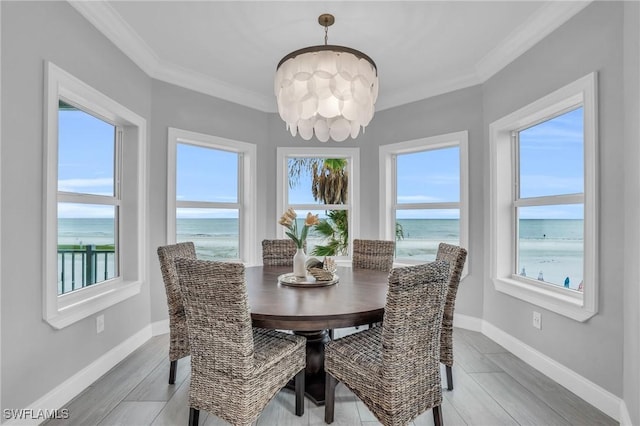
[
  {"x": 207, "y": 205},
  {"x": 551, "y": 200},
  {"x": 72, "y": 197},
  {"x": 117, "y": 190},
  {"x": 427, "y": 206}
]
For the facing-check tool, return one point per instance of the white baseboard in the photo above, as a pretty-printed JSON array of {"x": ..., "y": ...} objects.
[
  {"x": 467, "y": 322},
  {"x": 77, "y": 383},
  {"x": 587, "y": 390},
  {"x": 595, "y": 395},
  {"x": 160, "y": 327},
  {"x": 625, "y": 417}
]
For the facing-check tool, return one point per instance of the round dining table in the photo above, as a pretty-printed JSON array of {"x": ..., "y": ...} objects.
[{"x": 358, "y": 298}]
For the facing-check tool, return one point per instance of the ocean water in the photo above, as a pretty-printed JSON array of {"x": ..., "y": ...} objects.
[
  {"x": 551, "y": 249},
  {"x": 74, "y": 235}
]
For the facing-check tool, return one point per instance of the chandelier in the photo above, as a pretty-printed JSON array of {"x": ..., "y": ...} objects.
[{"x": 326, "y": 90}]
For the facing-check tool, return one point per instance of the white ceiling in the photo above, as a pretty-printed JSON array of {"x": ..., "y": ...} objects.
[{"x": 230, "y": 49}]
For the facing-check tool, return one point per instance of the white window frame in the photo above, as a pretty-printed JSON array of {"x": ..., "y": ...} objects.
[
  {"x": 503, "y": 245},
  {"x": 388, "y": 185},
  {"x": 62, "y": 310},
  {"x": 247, "y": 187},
  {"x": 353, "y": 206}
]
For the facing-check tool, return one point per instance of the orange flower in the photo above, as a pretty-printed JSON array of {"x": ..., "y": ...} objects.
[
  {"x": 288, "y": 220},
  {"x": 290, "y": 214},
  {"x": 311, "y": 220},
  {"x": 285, "y": 221}
]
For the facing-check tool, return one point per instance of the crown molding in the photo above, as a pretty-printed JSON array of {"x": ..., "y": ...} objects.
[
  {"x": 425, "y": 91},
  {"x": 107, "y": 20},
  {"x": 542, "y": 23},
  {"x": 193, "y": 80},
  {"x": 102, "y": 16}
]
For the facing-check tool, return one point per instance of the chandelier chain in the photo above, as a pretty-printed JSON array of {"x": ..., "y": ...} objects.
[{"x": 326, "y": 34}]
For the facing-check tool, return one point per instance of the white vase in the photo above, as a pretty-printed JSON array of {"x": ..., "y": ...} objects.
[{"x": 299, "y": 260}]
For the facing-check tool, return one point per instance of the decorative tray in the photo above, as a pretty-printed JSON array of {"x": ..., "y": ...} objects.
[{"x": 309, "y": 281}]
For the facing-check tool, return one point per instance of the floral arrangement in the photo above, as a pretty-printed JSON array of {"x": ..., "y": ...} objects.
[{"x": 288, "y": 220}]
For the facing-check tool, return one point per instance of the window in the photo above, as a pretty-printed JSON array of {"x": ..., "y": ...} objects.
[
  {"x": 88, "y": 198},
  {"x": 424, "y": 195},
  {"x": 212, "y": 185},
  {"x": 94, "y": 198},
  {"x": 543, "y": 206},
  {"x": 324, "y": 182}
]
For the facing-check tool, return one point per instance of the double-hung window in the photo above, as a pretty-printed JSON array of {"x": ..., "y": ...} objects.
[
  {"x": 424, "y": 195},
  {"x": 88, "y": 198},
  {"x": 324, "y": 182},
  {"x": 211, "y": 192},
  {"x": 94, "y": 200},
  {"x": 543, "y": 206}
]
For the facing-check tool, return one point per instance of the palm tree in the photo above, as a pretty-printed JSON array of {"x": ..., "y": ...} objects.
[{"x": 330, "y": 182}]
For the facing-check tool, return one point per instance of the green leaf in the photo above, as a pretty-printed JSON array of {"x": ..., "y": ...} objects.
[
  {"x": 294, "y": 238},
  {"x": 325, "y": 229}
]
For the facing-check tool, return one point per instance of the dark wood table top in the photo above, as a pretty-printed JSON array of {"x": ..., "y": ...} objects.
[{"x": 358, "y": 298}]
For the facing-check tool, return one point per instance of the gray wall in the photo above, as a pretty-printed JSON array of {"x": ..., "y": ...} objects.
[
  {"x": 452, "y": 112},
  {"x": 174, "y": 106},
  {"x": 35, "y": 357},
  {"x": 591, "y": 41},
  {"x": 631, "y": 363}
]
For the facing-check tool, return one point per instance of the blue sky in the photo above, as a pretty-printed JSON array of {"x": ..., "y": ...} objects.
[
  {"x": 551, "y": 152},
  {"x": 85, "y": 165},
  {"x": 552, "y": 163}
]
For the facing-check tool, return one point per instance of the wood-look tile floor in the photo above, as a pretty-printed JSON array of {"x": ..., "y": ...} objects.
[{"x": 491, "y": 387}]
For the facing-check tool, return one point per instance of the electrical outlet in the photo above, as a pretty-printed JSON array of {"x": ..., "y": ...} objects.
[
  {"x": 100, "y": 323},
  {"x": 537, "y": 320}
]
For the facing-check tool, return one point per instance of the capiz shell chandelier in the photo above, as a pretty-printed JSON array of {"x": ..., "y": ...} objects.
[{"x": 326, "y": 90}]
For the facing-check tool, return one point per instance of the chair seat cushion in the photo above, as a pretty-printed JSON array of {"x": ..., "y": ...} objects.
[
  {"x": 356, "y": 355},
  {"x": 271, "y": 346}
]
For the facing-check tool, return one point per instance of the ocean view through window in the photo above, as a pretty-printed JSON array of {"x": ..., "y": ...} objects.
[
  {"x": 549, "y": 205},
  {"x": 88, "y": 199},
  {"x": 95, "y": 200},
  {"x": 207, "y": 207},
  {"x": 211, "y": 183},
  {"x": 321, "y": 181},
  {"x": 544, "y": 180},
  {"x": 424, "y": 199},
  {"x": 312, "y": 182}
]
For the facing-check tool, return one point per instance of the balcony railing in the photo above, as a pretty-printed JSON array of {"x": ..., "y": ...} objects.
[{"x": 81, "y": 266}]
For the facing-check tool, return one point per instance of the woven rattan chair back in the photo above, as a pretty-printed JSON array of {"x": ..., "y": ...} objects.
[
  {"x": 413, "y": 319},
  {"x": 278, "y": 252},
  {"x": 373, "y": 254},
  {"x": 455, "y": 256},
  {"x": 395, "y": 369},
  {"x": 235, "y": 369},
  {"x": 178, "y": 335},
  {"x": 217, "y": 309}
]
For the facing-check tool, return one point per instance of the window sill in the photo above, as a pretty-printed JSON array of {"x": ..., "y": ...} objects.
[
  {"x": 78, "y": 305},
  {"x": 567, "y": 303}
]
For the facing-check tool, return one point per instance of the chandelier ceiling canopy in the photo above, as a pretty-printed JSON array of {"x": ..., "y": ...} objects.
[{"x": 326, "y": 90}]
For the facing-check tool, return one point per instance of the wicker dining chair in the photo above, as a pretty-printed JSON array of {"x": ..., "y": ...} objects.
[
  {"x": 178, "y": 336},
  {"x": 456, "y": 257},
  {"x": 235, "y": 369},
  {"x": 395, "y": 369},
  {"x": 373, "y": 254},
  {"x": 278, "y": 252}
]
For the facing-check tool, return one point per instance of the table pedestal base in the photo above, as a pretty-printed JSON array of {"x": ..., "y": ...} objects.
[{"x": 314, "y": 372}]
